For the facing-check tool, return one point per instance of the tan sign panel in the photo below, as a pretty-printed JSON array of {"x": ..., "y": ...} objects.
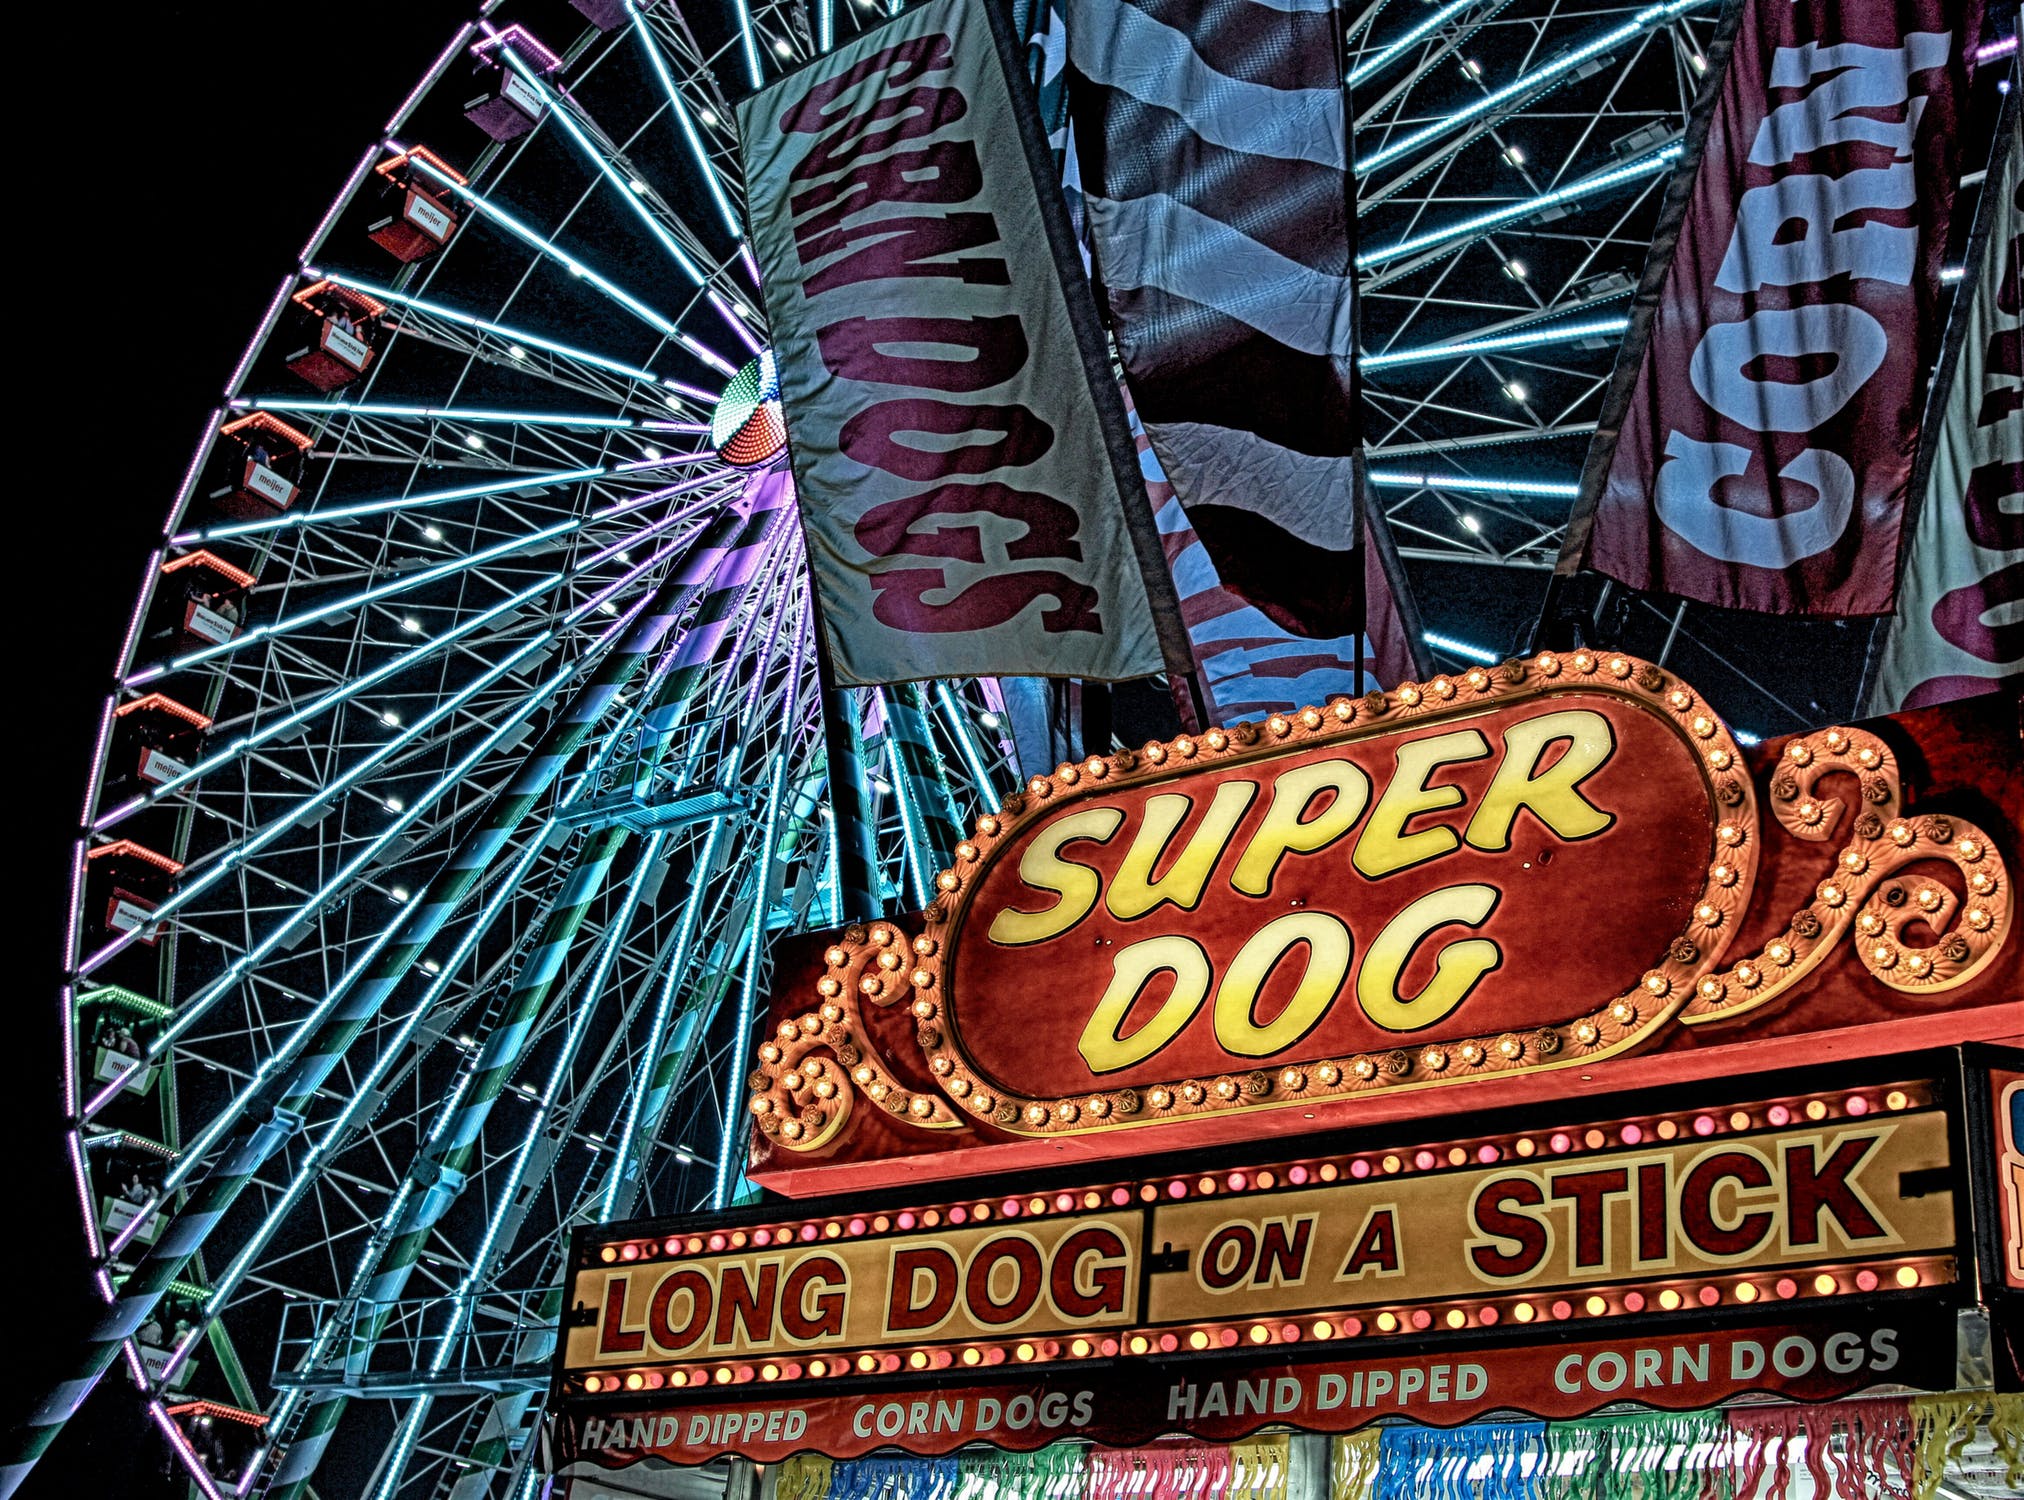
[{"x": 1744, "y": 1208}]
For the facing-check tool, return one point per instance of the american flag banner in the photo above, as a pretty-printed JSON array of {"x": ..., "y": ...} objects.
[{"x": 1211, "y": 137}]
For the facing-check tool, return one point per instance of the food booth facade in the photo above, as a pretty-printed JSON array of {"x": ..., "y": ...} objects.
[{"x": 1509, "y": 1083}]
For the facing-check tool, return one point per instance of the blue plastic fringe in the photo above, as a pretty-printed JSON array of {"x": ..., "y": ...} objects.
[{"x": 1483, "y": 1461}]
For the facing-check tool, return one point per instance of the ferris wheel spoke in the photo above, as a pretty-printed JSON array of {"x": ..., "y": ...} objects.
[
  {"x": 685, "y": 122},
  {"x": 494, "y": 214},
  {"x": 1502, "y": 102},
  {"x": 618, "y": 173},
  {"x": 404, "y": 583},
  {"x": 409, "y": 739},
  {"x": 505, "y": 345}
]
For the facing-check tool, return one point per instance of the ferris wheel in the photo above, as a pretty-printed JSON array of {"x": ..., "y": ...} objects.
[{"x": 467, "y": 751}]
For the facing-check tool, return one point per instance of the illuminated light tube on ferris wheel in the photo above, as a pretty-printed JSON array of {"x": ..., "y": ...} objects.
[
  {"x": 188, "y": 1014},
  {"x": 725, "y": 310},
  {"x": 1371, "y": 66},
  {"x": 418, "y": 653},
  {"x": 748, "y": 41},
  {"x": 352, "y": 601},
  {"x": 1461, "y": 649},
  {"x": 285, "y": 1055},
  {"x": 1541, "y": 489},
  {"x": 1527, "y": 83},
  {"x": 513, "y": 335},
  {"x": 748, "y": 988},
  {"x": 324, "y": 516},
  {"x": 1648, "y": 166},
  {"x": 707, "y": 355},
  {"x": 681, "y": 111},
  {"x": 546, "y": 246},
  {"x": 432, "y": 413},
  {"x": 559, "y": 112},
  {"x": 1538, "y": 338}
]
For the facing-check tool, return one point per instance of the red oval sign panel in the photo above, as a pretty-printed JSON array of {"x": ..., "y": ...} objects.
[{"x": 1512, "y": 870}]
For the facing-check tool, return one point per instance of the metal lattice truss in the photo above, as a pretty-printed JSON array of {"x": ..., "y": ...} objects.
[{"x": 442, "y": 936}]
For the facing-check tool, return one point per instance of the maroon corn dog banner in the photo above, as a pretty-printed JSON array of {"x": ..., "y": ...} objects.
[
  {"x": 1757, "y": 442},
  {"x": 1228, "y": 1400},
  {"x": 968, "y": 489}
]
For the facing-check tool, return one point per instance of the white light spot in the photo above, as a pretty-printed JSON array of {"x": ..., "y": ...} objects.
[
  {"x": 1514, "y": 156},
  {"x": 1515, "y": 269},
  {"x": 394, "y": 804},
  {"x": 781, "y": 49},
  {"x": 411, "y": 625},
  {"x": 1471, "y": 525},
  {"x": 473, "y": 441},
  {"x": 391, "y": 719},
  {"x": 432, "y": 533},
  {"x": 1515, "y": 390},
  {"x": 399, "y": 893},
  {"x": 516, "y": 352},
  {"x": 989, "y": 720}
]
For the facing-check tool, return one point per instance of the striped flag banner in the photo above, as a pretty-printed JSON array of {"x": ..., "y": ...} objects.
[{"x": 1207, "y": 169}]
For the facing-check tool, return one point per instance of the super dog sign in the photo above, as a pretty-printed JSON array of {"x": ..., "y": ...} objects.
[{"x": 1505, "y": 872}]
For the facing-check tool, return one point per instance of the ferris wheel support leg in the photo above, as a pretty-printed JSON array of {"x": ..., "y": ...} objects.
[
  {"x": 935, "y": 804},
  {"x": 851, "y": 822},
  {"x": 252, "y": 1147},
  {"x": 436, "y": 1179},
  {"x": 504, "y": 1218}
]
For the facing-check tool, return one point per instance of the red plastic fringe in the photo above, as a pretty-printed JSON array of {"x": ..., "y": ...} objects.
[{"x": 1861, "y": 1450}]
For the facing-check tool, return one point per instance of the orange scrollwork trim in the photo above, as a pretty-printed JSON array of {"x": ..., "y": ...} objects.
[{"x": 1866, "y": 892}]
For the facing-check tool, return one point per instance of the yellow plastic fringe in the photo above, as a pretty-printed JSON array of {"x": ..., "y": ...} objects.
[
  {"x": 805, "y": 1476},
  {"x": 1353, "y": 1472},
  {"x": 1946, "y": 1424},
  {"x": 1258, "y": 1468}
]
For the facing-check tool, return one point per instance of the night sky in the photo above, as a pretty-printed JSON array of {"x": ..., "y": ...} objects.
[{"x": 213, "y": 138}]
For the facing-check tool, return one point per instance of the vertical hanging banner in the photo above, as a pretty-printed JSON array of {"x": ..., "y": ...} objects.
[
  {"x": 1212, "y": 143},
  {"x": 968, "y": 490},
  {"x": 1960, "y": 622},
  {"x": 1756, "y": 444}
]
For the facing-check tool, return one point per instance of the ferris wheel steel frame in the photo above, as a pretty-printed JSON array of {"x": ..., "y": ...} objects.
[{"x": 518, "y": 760}]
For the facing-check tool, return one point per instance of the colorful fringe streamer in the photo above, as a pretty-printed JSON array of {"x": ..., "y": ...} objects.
[
  {"x": 805, "y": 1476},
  {"x": 1850, "y": 1449},
  {"x": 1944, "y": 1425},
  {"x": 1483, "y": 1461},
  {"x": 1871, "y": 1449}
]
